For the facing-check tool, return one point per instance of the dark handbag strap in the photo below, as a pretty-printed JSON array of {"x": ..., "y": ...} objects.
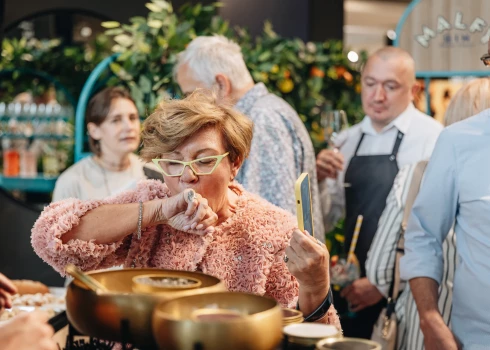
[{"x": 418, "y": 173}]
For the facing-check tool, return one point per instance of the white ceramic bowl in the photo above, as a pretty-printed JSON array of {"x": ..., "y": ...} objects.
[{"x": 310, "y": 333}]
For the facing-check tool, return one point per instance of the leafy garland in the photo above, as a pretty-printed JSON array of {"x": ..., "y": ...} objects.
[
  {"x": 312, "y": 77},
  {"x": 70, "y": 65}
]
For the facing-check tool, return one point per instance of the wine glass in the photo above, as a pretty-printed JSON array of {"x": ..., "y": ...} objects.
[
  {"x": 333, "y": 123},
  {"x": 344, "y": 271}
]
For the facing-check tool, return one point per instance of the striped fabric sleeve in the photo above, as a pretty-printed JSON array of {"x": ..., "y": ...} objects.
[
  {"x": 410, "y": 336},
  {"x": 381, "y": 256},
  {"x": 381, "y": 261}
]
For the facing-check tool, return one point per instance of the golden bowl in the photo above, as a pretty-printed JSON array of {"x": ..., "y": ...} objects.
[
  {"x": 347, "y": 344},
  {"x": 216, "y": 321},
  {"x": 140, "y": 284},
  {"x": 209, "y": 315},
  {"x": 309, "y": 334},
  {"x": 121, "y": 314},
  {"x": 290, "y": 316}
]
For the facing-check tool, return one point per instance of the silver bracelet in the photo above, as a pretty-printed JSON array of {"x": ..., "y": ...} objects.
[{"x": 140, "y": 219}]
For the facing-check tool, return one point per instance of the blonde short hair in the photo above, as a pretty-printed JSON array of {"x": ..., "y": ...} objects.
[
  {"x": 175, "y": 121},
  {"x": 470, "y": 100}
]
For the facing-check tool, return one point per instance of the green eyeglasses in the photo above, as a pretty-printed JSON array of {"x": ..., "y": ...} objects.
[
  {"x": 201, "y": 166},
  {"x": 486, "y": 59}
]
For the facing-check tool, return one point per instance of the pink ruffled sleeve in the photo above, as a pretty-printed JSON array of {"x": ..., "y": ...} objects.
[{"x": 60, "y": 217}]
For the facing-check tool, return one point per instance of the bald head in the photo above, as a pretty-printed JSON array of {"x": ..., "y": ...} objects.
[{"x": 394, "y": 54}]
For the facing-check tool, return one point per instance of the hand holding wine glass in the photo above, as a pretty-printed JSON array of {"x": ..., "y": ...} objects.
[
  {"x": 330, "y": 161},
  {"x": 333, "y": 123}
]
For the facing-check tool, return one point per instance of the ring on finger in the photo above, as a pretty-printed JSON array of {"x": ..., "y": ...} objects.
[
  {"x": 190, "y": 196},
  {"x": 286, "y": 259}
]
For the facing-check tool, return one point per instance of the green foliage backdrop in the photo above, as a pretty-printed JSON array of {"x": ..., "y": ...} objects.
[
  {"x": 312, "y": 76},
  {"x": 70, "y": 65}
]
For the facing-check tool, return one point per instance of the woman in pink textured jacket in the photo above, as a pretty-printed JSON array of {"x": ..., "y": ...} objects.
[{"x": 199, "y": 220}]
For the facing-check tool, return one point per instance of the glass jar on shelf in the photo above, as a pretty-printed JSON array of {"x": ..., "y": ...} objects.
[
  {"x": 28, "y": 163},
  {"x": 50, "y": 160}
]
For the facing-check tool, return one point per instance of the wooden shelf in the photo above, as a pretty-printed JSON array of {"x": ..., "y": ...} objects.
[
  {"x": 39, "y": 183},
  {"x": 42, "y": 119},
  {"x": 36, "y": 136}
]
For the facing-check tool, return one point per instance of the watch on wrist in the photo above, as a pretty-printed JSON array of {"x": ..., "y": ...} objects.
[{"x": 321, "y": 310}]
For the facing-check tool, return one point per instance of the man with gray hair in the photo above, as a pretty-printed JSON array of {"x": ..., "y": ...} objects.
[{"x": 281, "y": 147}]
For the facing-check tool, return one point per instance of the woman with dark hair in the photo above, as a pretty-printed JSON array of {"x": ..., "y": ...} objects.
[{"x": 114, "y": 134}]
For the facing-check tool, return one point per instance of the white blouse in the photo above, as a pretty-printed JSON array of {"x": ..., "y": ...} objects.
[{"x": 86, "y": 179}]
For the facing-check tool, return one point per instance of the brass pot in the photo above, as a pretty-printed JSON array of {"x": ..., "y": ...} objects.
[
  {"x": 347, "y": 344},
  {"x": 308, "y": 334},
  {"x": 101, "y": 315},
  {"x": 238, "y": 321},
  {"x": 291, "y": 316}
]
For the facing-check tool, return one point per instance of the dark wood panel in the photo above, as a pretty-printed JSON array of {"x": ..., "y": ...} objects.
[{"x": 289, "y": 17}]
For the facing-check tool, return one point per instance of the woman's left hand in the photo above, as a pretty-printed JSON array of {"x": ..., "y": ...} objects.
[{"x": 308, "y": 260}]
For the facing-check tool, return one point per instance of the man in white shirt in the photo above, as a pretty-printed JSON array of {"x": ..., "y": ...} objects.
[{"x": 362, "y": 170}]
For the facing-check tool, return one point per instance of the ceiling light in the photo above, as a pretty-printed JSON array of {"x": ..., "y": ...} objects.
[
  {"x": 86, "y": 32},
  {"x": 391, "y": 34},
  {"x": 353, "y": 56}
]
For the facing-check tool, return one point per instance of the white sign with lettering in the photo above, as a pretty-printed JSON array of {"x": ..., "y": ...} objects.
[
  {"x": 478, "y": 25},
  {"x": 447, "y": 35}
]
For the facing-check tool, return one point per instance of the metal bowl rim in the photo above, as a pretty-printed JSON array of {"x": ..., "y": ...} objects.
[
  {"x": 327, "y": 341},
  {"x": 163, "y": 315},
  {"x": 111, "y": 293},
  {"x": 196, "y": 285},
  {"x": 298, "y": 315}
]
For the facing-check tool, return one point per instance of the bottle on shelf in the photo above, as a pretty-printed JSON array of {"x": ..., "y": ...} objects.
[
  {"x": 11, "y": 159},
  {"x": 35, "y": 137},
  {"x": 28, "y": 162},
  {"x": 50, "y": 160}
]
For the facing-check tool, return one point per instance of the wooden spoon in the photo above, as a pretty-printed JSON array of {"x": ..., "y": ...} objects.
[{"x": 85, "y": 279}]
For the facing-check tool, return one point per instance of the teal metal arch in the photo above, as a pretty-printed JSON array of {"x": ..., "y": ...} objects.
[
  {"x": 85, "y": 95},
  {"x": 403, "y": 19},
  {"x": 428, "y": 75}
]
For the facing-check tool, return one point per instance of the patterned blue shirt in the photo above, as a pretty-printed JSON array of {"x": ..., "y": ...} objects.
[{"x": 281, "y": 150}]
